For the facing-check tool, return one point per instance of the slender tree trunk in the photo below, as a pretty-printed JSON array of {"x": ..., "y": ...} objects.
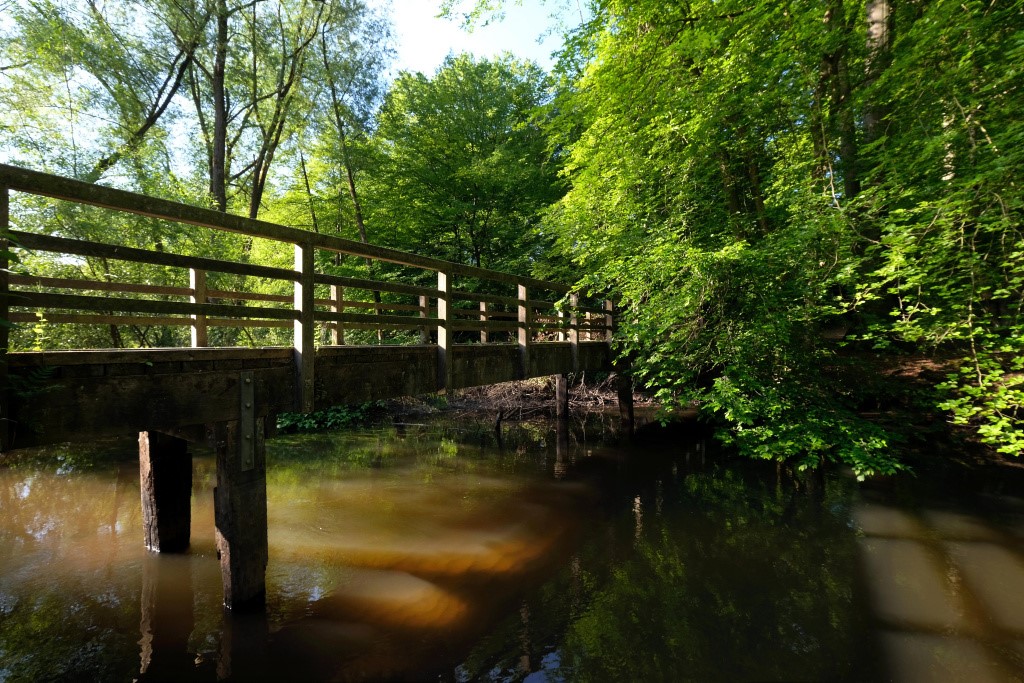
[
  {"x": 309, "y": 190},
  {"x": 357, "y": 207},
  {"x": 879, "y": 43},
  {"x": 218, "y": 161}
]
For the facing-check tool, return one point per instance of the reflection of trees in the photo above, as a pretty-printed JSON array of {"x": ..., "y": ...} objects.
[
  {"x": 729, "y": 577},
  {"x": 54, "y": 625},
  {"x": 735, "y": 580}
]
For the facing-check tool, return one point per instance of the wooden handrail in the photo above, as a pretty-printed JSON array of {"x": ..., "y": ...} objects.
[
  {"x": 57, "y": 187},
  {"x": 519, "y": 317}
]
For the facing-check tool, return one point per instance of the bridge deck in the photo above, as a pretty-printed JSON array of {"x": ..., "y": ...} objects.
[{"x": 62, "y": 396}]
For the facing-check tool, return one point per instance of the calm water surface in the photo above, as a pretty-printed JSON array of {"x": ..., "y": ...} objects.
[{"x": 429, "y": 552}]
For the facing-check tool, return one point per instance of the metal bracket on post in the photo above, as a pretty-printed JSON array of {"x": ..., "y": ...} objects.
[{"x": 247, "y": 422}]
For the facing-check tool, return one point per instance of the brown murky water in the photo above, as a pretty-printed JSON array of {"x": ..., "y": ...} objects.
[{"x": 429, "y": 553}]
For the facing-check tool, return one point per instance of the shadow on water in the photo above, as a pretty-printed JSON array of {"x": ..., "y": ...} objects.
[{"x": 439, "y": 552}]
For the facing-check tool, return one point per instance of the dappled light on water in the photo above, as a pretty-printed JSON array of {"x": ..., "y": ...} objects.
[{"x": 432, "y": 554}]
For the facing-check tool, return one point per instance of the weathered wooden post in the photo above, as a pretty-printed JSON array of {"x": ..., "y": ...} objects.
[
  {"x": 624, "y": 383},
  {"x": 424, "y": 314},
  {"x": 303, "y": 340},
  {"x": 165, "y": 480},
  {"x": 240, "y": 505},
  {"x": 562, "y": 381},
  {"x": 524, "y": 332},
  {"x": 337, "y": 306},
  {"x": 197, "y": 283},
  {"x": 562, "y": 397},
  {"x": 5, "y": 308},
  {"x": 574, "y": 331},
  {"x": 444, "y": 334},
  {"x": 485, "y": 316}
]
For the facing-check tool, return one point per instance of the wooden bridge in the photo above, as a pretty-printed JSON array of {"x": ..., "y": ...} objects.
[{"x": 470, "y": 326}]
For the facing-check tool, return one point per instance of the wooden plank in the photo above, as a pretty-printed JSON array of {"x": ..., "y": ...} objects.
[
  {"x": 463, "y": 295},
  {"x": 374, "y": 285},
  {"x": 94, "y": 319},
  {"x": 370, "y": 305},
  {"x": 473, "y": 325},
  {"x": 248, "y": 296},
  {"x": 280, "y": 355},
  {"x": 358, "y": 377},
  {"x": 72, "y": 408},
  {"x": 481, "y": 364},
  {"x": 243, "y": 322},
  {"x": 99, "y": 303},
  {"x": 33, "y": 182},
  {"x": 64, "y": 245},
  {"x": 383, "y": 321},
  {"x": 97, "y": 285},
  {"x": 377, "y": 326}
]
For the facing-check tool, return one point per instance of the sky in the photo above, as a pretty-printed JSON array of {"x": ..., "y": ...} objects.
[{"x": 423, "y": 41}]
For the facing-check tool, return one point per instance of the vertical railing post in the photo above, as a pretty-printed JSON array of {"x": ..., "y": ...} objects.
[
  {"x": 303, "y": 339},
  {"x": 5, "y": 316},
  {"x": 197, "y": 283},
  {"x": 485, "y": 310},
  {"x": 337, "y": 306},
  {"x": 609, "y": 319},
  {"x": 444, "y": 334},
  {"x": 424, "y": 314},
  {"x": 624, "y": 383},
  {"x": 524, "y": 332},
  {"x": 574, "y": 331}
]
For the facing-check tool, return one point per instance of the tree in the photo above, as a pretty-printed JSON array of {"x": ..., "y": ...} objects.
[
  {"x": 464, "y": 166},
  {"x": 747, "y": 177}
]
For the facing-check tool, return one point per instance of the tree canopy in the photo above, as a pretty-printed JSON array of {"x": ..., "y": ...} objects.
[
  {"x": 775, "y": 192},
  {"x": 751, "y": 179}
]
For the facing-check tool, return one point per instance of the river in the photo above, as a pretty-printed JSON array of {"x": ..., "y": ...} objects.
[{"x": 431, "y": 552}]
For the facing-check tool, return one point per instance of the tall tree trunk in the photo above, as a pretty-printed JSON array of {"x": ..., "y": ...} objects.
[
  {"x": 879, "y": 43},
  {"x": 357, "y": 207},
  {"x": 218, "y": 159}
]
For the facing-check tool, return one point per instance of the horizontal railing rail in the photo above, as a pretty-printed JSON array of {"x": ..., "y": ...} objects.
[{"x": 316, "y": 305}]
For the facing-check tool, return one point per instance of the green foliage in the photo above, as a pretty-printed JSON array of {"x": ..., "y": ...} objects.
[
  {"x": 462, "y": 164},
  {"x": 336, "y": 417},
  {"x": 748, "y": 179}
]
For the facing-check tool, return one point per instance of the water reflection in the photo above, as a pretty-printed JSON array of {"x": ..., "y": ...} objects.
[
  {"x": 947, "y": 588},
  {"x": 429, "y": 552},
  {"x": 387, "y": 547}
]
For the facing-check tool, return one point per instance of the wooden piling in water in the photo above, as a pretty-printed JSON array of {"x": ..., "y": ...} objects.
[
  {"x": 562, "y": 397},
  {"x": 240, "y": 512},
  {"x": 165, "y": 479}
]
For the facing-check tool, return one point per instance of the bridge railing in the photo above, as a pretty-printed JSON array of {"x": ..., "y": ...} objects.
[{"x": 316, "y": 305}]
